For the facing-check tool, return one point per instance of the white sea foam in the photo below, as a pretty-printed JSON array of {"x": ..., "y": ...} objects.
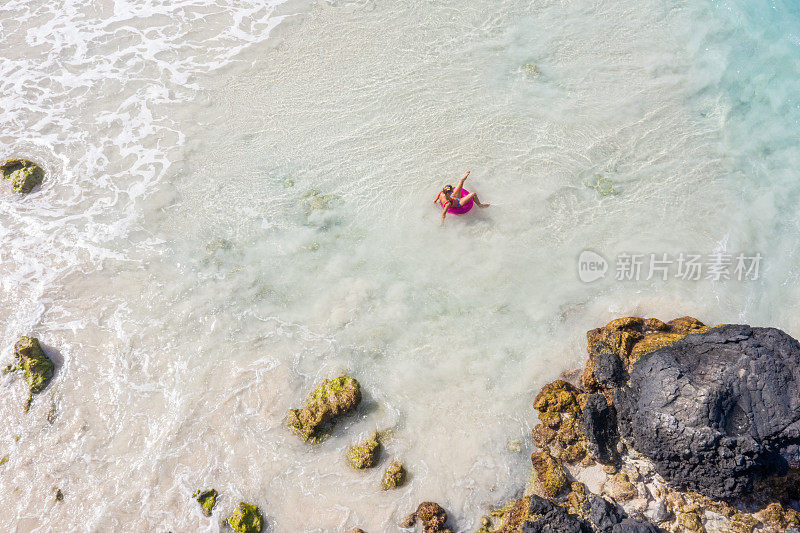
[{"x": 192, "y": 286}]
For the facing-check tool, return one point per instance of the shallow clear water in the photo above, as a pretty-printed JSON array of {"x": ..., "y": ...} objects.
[{"x": 192, "y": 285}]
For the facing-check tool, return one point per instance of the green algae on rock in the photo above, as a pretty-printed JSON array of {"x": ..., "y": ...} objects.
[
  {"x": 37, "y": 366},
  {"x": 3, "y": 460},
  {"x": 331, "y": 399},
  {"x": 550, "y": 474},
  {"x": 364, "y": 454},
  {"x": 246, "y": 519},
  {"x": 24, "y": 174},
  {"x": 207, "y": 499},
  {"x": 394, "y": 477}
]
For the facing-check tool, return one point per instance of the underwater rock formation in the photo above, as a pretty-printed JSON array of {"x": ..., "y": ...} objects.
[
  {"x": 716, "y": 410},
  {"x": 24, "y": 174},
  {"x": 246, "y": 519},
  {"x": 329, "y": 400}
]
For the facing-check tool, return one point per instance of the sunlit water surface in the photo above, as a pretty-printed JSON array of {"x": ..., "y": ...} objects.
[{"x": 238, "y": 205}]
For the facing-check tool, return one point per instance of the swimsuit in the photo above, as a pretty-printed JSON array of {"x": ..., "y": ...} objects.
[{"x": 452, "y": 203}]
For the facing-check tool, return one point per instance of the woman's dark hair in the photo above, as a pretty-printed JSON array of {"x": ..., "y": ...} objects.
[{"x": 448, "y": 189}]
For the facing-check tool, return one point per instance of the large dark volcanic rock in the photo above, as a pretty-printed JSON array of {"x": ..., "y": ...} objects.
[{"x": 716, "y": 410}]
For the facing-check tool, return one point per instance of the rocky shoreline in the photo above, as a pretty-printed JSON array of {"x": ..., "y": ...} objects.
[{"x": 671, "y": 426}]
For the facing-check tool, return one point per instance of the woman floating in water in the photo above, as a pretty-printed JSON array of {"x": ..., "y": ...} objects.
[{"x": 458, "y": 200}]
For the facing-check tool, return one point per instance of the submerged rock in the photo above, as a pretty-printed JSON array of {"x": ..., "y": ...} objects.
[
  {"x": 24, "y": 174},
  {"x": 207, "y": 500},
  {"x": 34, "y": 362},
  {"x": 331, "y": 399},
  {"x": 394, "y": 477},
  {"x": 718, "y": 410},
  {"x": 246, "y": 519},
  {"x": 314, "y": 200},
  {"x": 364, "y": 454}
]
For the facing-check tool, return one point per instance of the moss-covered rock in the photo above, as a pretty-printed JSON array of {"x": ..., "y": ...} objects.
[
  {"x": 34, "y": 362},
  {"x": 687, "y": 324},
  {"x": 560, "y": 406},
  {"x": 394, "y": 477},
  {"x": 246, "y": 519},
  {"x": 615, "y": 347},
  {"x": 559, "y": 397},
  {"x": 331, "y": 399},
  {"x": 3, "y": 460},
  {"x": 778, "y": 517},
  {"x": 432, "y": 516},
  {"x": 24, "y": 174},
  {"x": 652, "y": 342},
  {"x": 207, "y": 500},
  {"x": 743, "y": 523},
  {"x": 364, "y": 454},
  {"x": 690, "y": 518},
  {"x": 511, "y": 517},
  {"x": 551, "y": 478}
]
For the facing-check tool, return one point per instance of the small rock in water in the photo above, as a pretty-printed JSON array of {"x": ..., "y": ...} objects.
[
  {"x": 364, "y": 454},
  {"x": 246, "y": 519},
  {"x": 37, "y": 366},
  {"x": 331, "y": 399},
  {"x": 59, "y": 495},
  {"x": 24, "y": 174},
  {"x": 432, "y": 516},
  {"x": 207, "y": 500},
  {"x": 394, "y": 477}
]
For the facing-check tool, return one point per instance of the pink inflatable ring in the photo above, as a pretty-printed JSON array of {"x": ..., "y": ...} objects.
[{"x": 462, "y": 209}]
